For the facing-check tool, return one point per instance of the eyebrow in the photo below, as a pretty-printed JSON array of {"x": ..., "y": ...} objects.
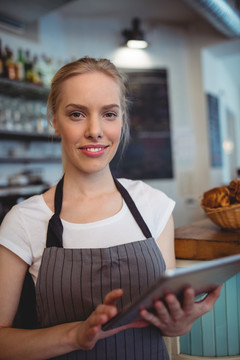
[{"x": 83, "y": 107}]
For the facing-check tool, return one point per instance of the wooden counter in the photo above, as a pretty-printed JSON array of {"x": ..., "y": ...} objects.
[{"x": 203, "y": 240}]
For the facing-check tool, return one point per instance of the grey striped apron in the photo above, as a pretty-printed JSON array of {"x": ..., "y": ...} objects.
[{"x": 72, "y": 282}]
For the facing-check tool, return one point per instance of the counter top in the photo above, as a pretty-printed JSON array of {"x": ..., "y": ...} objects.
[{"x": 203, "y": 240}]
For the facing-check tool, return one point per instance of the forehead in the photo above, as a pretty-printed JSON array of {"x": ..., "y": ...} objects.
[{"x": 94, "y": 84}]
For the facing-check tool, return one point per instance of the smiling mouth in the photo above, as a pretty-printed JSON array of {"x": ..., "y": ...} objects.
[{"x": 94, "y": 150}]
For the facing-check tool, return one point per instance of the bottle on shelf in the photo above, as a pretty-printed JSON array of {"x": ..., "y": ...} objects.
[
  {"x": 43, "y": 69},
  {"x": 10, "y": 64},
  {"x": 20, "y": 66},
  {"x": 51, "y": 69},
  {"x": 37, "y": 76},
  {"x": 28, "y": 67}
]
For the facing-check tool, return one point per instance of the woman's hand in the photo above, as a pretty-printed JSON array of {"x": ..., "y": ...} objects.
[
  {"x": 90, "y": 330},
  {"x": 174, "y": 318}
]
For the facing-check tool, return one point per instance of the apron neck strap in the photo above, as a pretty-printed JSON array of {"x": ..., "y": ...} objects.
[
  {"x": 133, "y": 208},
  {"x": 55, "y": 227},
  {"x": 58, "y": 197}
]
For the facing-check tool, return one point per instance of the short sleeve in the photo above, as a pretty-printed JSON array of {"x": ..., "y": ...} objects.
[
  {"x": 158, "y": 209},
  {"x": 154, "y": 205},
  {"x": 14, "y": 236},
  {"x": 162, "y": 216}
]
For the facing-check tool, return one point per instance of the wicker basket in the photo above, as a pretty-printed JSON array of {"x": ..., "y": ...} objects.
[{"x": 228, "y": 218}]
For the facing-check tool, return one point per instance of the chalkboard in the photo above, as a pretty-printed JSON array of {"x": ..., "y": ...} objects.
[{"x": 149, "y": 153}]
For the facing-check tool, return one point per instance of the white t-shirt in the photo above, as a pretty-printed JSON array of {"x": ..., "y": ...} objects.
[{"x": 24, "y": 228}]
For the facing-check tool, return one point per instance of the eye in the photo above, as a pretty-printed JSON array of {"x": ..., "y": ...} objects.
[
  {"x": 76, "y": 115},
  {"x": 110, "y": 115}
]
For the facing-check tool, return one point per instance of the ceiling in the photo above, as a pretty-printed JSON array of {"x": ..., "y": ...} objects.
[
  {"x": 173, "y": 11},
  {"x": 27, "y": 11},
  {"x": 170, "y": 11},
  {"x": 151, "y": 12}
]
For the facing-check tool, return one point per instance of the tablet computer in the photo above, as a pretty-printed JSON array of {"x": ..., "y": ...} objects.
[{"x": 202, "y": 277}]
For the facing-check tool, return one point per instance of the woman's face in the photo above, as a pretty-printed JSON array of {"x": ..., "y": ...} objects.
[{"x": 89, "y": 121}]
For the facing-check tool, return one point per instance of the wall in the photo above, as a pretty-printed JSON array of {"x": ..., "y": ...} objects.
[
  {"x": 219, "y": 82},
  {"x": 173, "y": 48}
]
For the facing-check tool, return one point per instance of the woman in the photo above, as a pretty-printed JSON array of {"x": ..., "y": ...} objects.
[{"x": 102, "y": 253}]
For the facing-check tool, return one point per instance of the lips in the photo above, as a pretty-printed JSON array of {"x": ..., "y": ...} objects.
[
  {"x": 93, "y": 150},
  {"x": 93, "y": 147}
]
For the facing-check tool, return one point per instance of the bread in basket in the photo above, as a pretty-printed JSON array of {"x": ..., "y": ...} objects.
[{"x": 222, "y": 205}]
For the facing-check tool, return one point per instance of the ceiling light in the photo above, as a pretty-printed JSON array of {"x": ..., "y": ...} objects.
[
  {"x": 134, "y": 38},
  {"x": 137, "y": 44}
]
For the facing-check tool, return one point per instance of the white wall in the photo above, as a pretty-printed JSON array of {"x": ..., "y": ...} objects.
[{"x": 172, "y": 48}]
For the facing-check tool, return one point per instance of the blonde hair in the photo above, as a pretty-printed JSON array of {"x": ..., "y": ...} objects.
[{"x": 83, "y": 66}]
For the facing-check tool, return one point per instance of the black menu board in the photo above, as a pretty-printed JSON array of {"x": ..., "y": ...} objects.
[{"x": 149, "y": 153}]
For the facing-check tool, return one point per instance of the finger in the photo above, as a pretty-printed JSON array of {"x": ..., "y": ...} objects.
[
  {"x": 188, "y": 300},
  {"x": 102, "y": 314},
  {"x": 162, "y": 311},
  {"x": 109, "y": 310},
  {"x": 174, "y": 307},
  {"x": 97, "y": 319},
  {"x": 112, "y": 296},
  {"x": 210, "y": 299},
  {"x": 150, "y": 318},
  {"x": 216, "y": 293}
]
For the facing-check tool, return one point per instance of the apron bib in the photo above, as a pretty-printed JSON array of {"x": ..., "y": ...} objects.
[{"x": 72, "y": 282}]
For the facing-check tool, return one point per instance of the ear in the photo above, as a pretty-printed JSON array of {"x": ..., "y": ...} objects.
[{"x": 55, "y": 126}]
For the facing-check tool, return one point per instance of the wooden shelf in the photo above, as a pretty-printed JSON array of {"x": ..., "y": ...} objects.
[
  {"x": 23, "y": 90},
  {"x": 30, "y": 160},
  {"x": 13, "y": 191},
  {"x": 21, "y": 135}
]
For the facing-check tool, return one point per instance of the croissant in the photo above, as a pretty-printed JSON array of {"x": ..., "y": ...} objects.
[
  {"x": 216, "y": 197},
  {"x": 234, "y": 189}
]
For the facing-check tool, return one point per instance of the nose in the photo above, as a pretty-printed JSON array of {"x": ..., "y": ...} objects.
[{"x": 94, "y": 128}]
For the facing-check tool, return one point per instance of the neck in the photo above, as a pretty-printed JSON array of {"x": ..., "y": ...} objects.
[{"x": 79, "y": 184}]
